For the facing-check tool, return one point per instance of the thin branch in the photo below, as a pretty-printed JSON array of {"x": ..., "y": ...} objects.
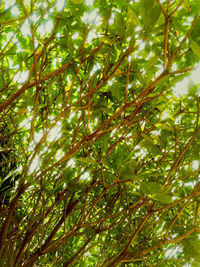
[
  {"x": 173, "y": 57},
  {"x": 176, "y": 8},
  {"x": 176, "y": 217},
  {"x": 166, "y": 37},
  {"x": 162, "y": 8}
]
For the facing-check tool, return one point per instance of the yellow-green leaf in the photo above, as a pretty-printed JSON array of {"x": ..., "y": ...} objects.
[{"x": 195, "y": 48}]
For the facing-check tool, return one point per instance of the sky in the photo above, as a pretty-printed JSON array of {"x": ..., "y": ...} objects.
[{"x": 181, "y": 88}]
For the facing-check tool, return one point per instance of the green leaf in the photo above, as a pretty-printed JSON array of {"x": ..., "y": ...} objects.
[
  {"x": 77, "y": 1},
  {"x": 198, "y": 4},
  {"x": 162, "y": 197},
  {"x": 141, "y": 78},
  {"x": 151, "y": 188},
  {"x": 164, "y": 127},
  {"x": 155, "y": 14},
  {"x": 87, "y": 160},
  {"x": 119, "y": 24},
  {"x": 147, "y": 137},
  {"x": 106, "y": 40},
  {"x": 195, "y": 48},
  {"x": 119, "y": 157},
  {"x": 106, "y": 162},
  {"x": 105, "y": 139},
  {"x": 127, "y": 170},
  {"x": 154, "y": 189},
  {"x": 116, "y": 91},
  {"x": 133, "y": 16},
  {"x": 196, "y": 32},
  {"x": 150, "y": 147},
  {"x": 152, "y": 61},
  {"x": 150, "y": 12},
  {"x": 192, "y": 88}
]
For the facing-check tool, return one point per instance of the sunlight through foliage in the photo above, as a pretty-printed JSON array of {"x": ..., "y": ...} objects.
[{"x": 99, "y": 133}]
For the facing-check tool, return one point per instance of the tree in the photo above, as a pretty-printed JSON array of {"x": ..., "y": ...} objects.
[{"x": 106, "y": 154}]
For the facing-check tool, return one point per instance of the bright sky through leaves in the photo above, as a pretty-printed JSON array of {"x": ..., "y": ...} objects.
[{"x": 181, "y": 88}]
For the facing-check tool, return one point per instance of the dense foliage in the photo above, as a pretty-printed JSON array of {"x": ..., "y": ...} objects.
[{"x": 99, "y": 158}]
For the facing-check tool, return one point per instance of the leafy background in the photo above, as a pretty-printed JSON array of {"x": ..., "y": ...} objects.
[{"x": 99, "y": 148}]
